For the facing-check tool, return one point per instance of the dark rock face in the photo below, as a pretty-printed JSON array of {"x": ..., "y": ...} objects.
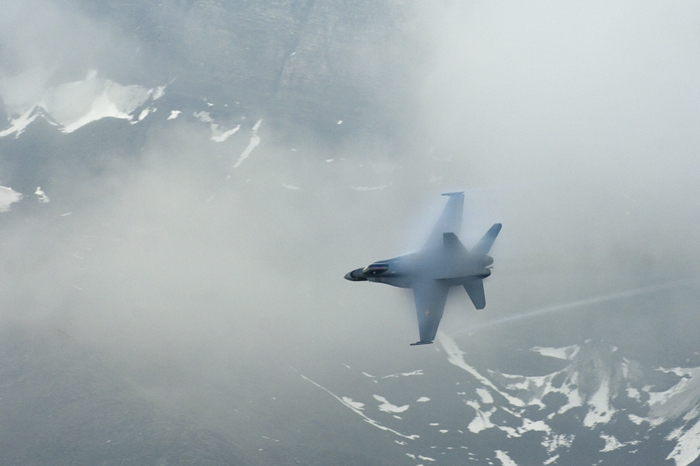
[
  {"x": 313, "y": 59},
  {"x": 60, "y": 405}
]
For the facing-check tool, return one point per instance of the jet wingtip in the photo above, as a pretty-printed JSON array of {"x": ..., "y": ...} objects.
[
  {"x": 456, "y": 193},
  {"x": 418, "y": 343}
]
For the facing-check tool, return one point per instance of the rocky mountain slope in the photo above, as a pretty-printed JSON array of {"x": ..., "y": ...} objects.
[
  {"x": 61, "y": 405},
  {"x": 314, "y": 60},
  {"x": 598, "y": 407}
]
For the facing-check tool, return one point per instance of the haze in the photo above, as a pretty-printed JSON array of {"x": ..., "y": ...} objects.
[{"x": 575, "y": 125}]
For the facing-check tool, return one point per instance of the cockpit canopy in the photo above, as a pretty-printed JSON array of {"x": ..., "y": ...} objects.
[{"x": 377, "y": 268}]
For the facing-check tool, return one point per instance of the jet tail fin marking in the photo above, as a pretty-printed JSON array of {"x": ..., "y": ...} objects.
[
  {"x": 475, "y": 290},
  {"x": 486, "y": 241}
]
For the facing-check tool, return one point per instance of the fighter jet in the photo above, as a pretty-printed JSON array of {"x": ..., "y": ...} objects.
[{"x": 442, "y": 263}]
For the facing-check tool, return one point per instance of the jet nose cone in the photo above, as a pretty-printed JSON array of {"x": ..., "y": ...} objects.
[{"x": 356, "y": 276}]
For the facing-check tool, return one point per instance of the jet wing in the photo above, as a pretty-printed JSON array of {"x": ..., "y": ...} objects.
[
  {"x": 475, "y": 290},
  {"x": 450, "y": 220},
  {"x": 430, "y": 299}
]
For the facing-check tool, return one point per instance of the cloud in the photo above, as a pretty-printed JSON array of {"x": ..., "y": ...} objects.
[
  {"x": 569, "y": 124},
  {"x": 46, "y": 43}
]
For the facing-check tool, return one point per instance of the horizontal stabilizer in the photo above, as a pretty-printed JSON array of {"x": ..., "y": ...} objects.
[
  {"x": 486, "y": 241},
  {"x": 475, "y": 290}
]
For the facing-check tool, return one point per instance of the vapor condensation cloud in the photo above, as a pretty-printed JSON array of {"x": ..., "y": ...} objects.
[{"x": 587, "y": 110}]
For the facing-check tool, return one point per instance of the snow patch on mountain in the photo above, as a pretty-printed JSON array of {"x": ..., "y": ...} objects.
[
  {"x": 567, "y": 353},
  {"x": 682, "y": 401},
  {"x": 19, "y": 124},
  {"x": 388, "y": 407},
  {"x": 456, "y": 357},
  {"x": 633, "y": 393},
  {"x": 144, "y": 113},
  {"x": 555, "y": 442},
  {"x": 352, "y": 403},
  {"x": 357, "y": 409},
  {"x": 482, "y": 420},
  {"x": 594, "y": 378},
  {"x": 222, "y": 136},
  {"x": 8, "y": 196},
  {"x": 71, "y": 106},
  {"x": 680, "y": 398},
  {"x": 217, "y": 133},
  {"x": 504, "y": 458},
  {"x": 404, "y": 374},
  {"x": 590, "y": 368},
  {"x": 601, "y": 411},
  {"x": 420, "y": 457},
  {"x": 74, "y": 105},
  {"x": 158, "y": 92},
  {"x": 687, "y": 447},
  {"x": 254, "y": 142},
  {"x": 597, "y": 394},
  {"x": 533, "y": 389},
  {"x": 485, "y": 396},
  {"x": 43, "y": 198},
  {"x": 611, "y": 443}
]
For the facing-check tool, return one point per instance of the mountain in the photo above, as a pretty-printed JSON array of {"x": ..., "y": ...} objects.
[
  {"x": 598, "y": 407},
  {"x": 61, "y": 405},
  {"x": 183, "y": 185},
  {"x": 311, "y": 60}
]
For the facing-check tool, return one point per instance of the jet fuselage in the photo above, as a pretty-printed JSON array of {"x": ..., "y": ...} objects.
[{"x": 435, "y": 264}]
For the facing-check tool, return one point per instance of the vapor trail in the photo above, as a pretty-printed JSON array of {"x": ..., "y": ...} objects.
[{"x": 576, "y": 304}]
